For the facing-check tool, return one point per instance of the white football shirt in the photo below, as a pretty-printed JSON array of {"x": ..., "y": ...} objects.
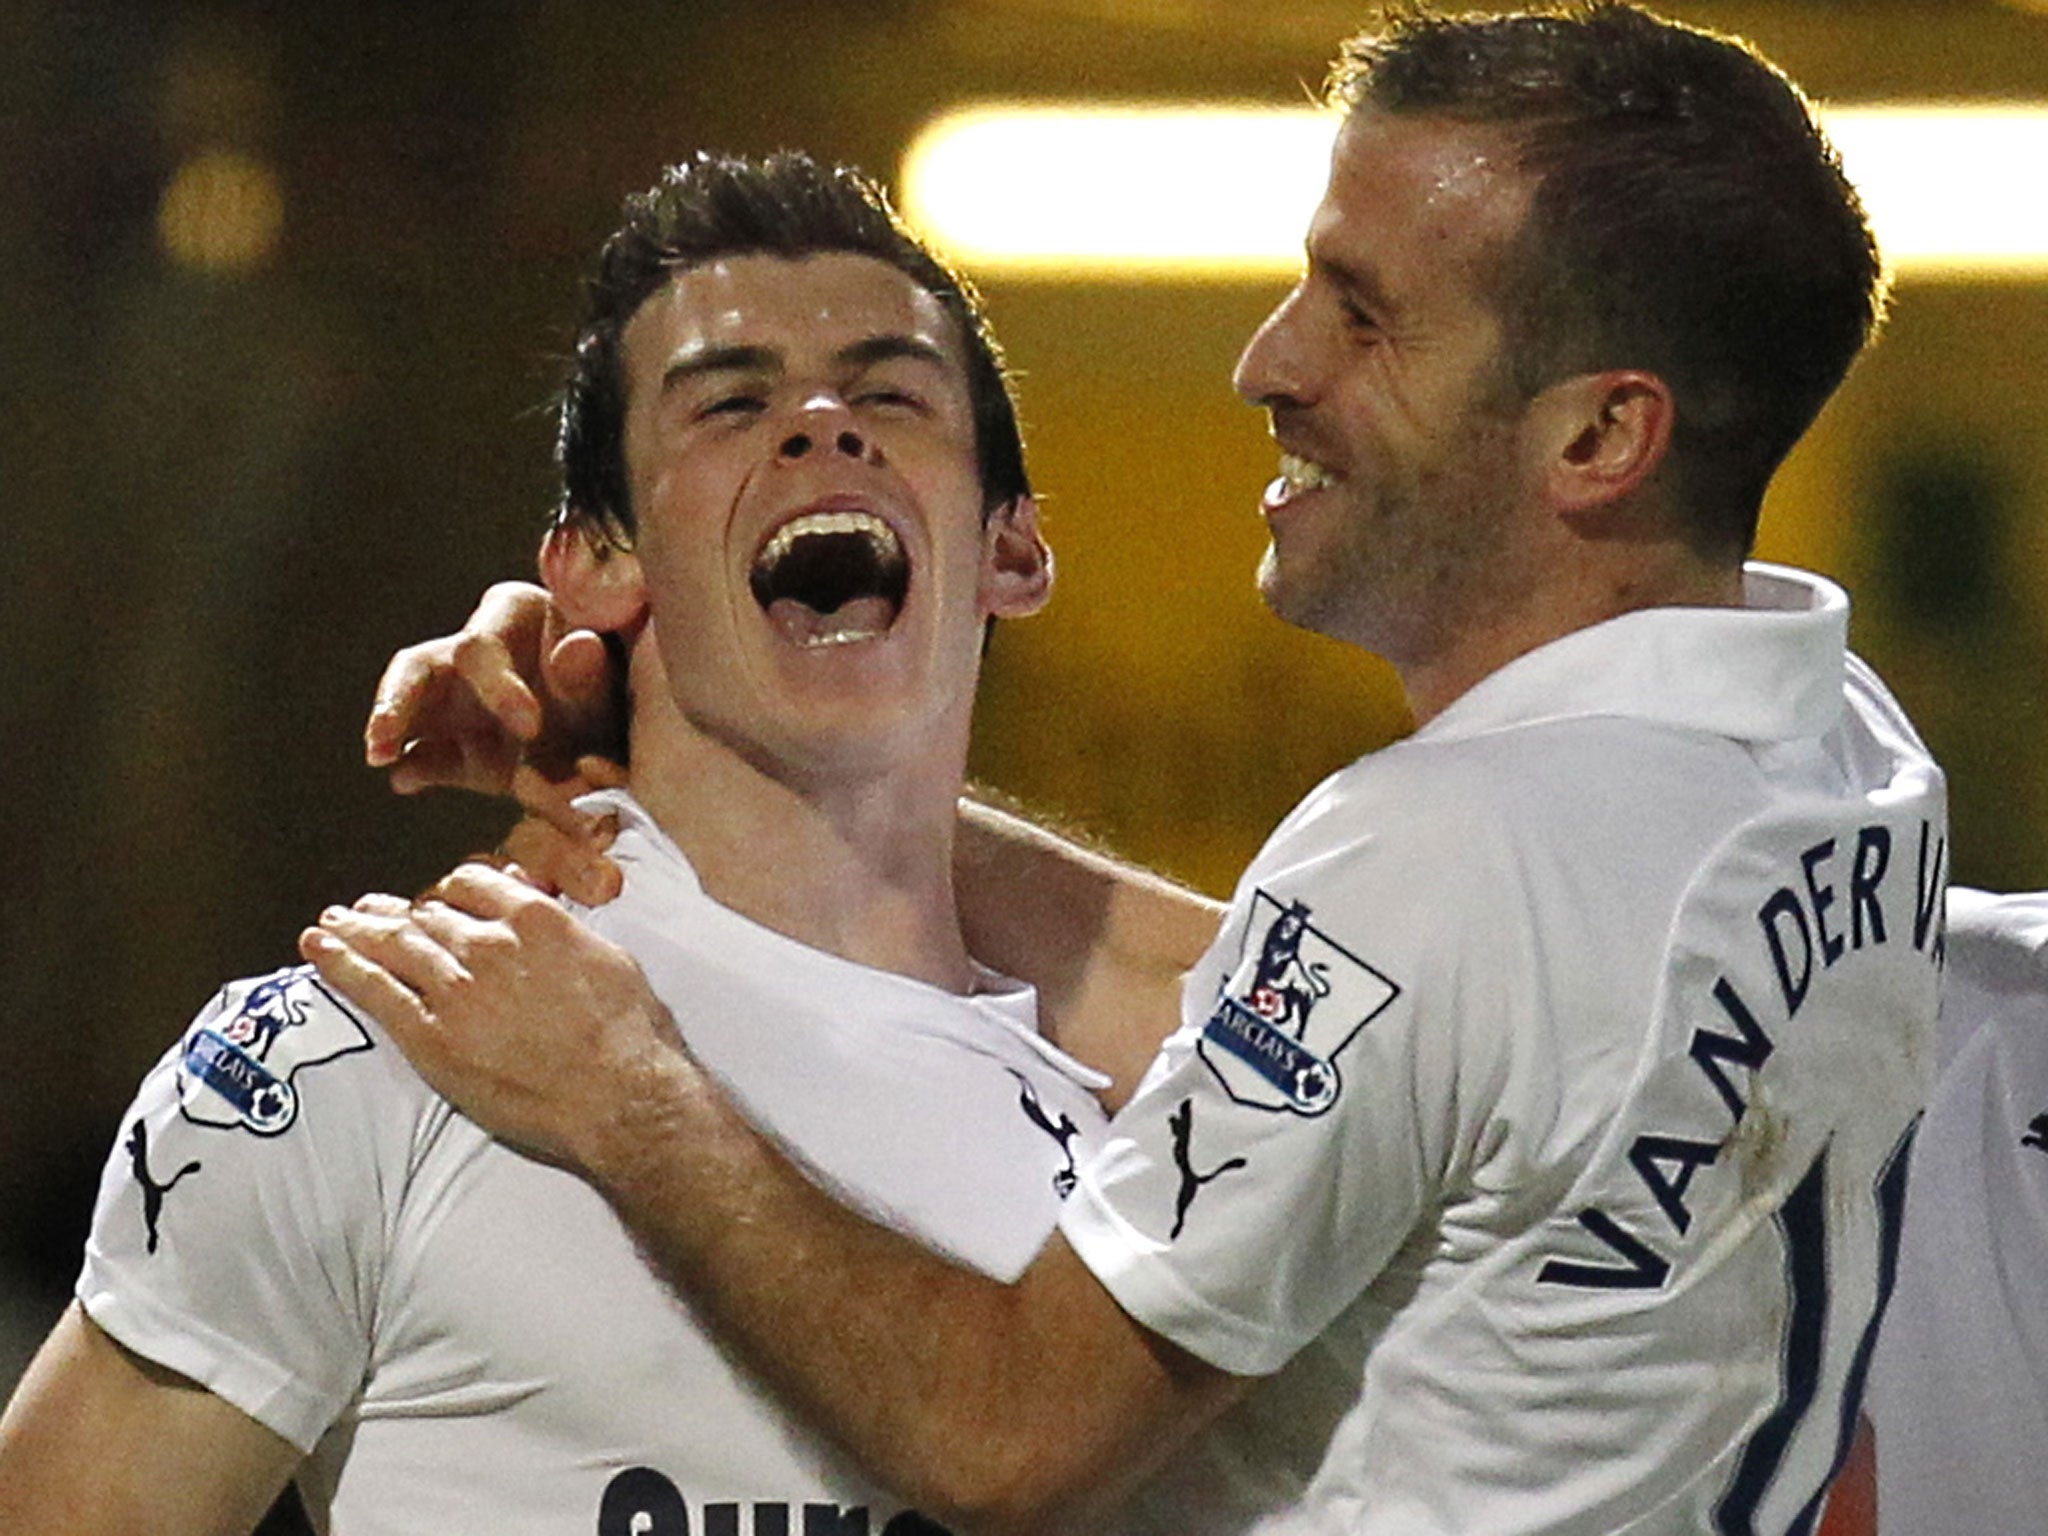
[
  {"x": 1540, "y": 1106},
  {"x": 465, "y": 1340},
  {"x": 1959, "y": 1396}
]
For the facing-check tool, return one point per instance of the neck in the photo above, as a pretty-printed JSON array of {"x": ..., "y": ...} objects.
[
  {"x": 1588, "y": 592},
  {"x": 858, "y": 864}
]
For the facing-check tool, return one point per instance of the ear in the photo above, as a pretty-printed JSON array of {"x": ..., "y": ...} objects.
[
  {"x": 1603, "y": 435},
  {"x": 1016, "y": 565},
  {"x": 595, "y": 585}
]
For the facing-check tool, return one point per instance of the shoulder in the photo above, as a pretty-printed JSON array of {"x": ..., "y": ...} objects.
[
  {"x": 1999, "y": 942},
  {"x": 1459, "y": 815},
  {"x": 247, "y": 1204},
  {"x": 303, "y": 1122},
  {"x": 1880, "y": 714},
  {"x": 1997, "y": 975},
  {"x": 266, "y": 1046}
]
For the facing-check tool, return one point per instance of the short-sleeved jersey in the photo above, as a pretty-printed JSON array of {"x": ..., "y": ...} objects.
[
  {"x": 1959, "y": 1394},
  {"x": 464, "y": 1340},
  {"x": 1541, "y": 1105}
]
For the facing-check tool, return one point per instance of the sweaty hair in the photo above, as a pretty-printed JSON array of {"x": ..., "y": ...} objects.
[
  {"x": 1687, "y": 218},
  {"x": 786, "y": 205}
]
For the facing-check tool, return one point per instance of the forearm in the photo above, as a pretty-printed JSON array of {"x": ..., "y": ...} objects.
[
  {"x": 996, "y": 1406},
  {"x": 1106, "y": 943},
  {"x": 989, "y": 1406}
]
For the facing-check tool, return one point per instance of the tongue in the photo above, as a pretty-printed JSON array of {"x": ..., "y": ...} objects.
[{"x": 801, "y": 624}]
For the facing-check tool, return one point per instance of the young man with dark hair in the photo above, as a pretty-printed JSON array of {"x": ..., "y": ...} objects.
[
  {"x": 793, "y": 208},
  {"x": 1537, "y": 1119},
  {"x": 794, "y": 498}
]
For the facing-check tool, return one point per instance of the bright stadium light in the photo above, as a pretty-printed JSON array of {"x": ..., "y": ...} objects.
[
  {"x": 1171, "y": 191},
  {"x": 1226, "y": 191},
  {"x": 1954, "y": 191}
]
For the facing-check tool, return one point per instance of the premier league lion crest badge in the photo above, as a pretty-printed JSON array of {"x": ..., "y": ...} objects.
[
  {"x": 1295, "y": 1001},
  {"x": 242, "y": 1055}
]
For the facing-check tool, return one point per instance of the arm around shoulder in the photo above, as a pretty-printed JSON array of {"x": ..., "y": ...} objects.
[
  {"x": 1105, "y": 943},
  {"x": 99, "y": 1440}
]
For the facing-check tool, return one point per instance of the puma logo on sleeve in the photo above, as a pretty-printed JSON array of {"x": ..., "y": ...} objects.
[{"x": 152, "y": 1192}]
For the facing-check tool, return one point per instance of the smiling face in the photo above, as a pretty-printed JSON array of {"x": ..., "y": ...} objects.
[
  {"x": 800, "y": 449},
  {"x": 1393, "y": 520}
]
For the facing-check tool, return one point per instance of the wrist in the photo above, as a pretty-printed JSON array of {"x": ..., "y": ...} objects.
[{"x": 652, "y": 1099}]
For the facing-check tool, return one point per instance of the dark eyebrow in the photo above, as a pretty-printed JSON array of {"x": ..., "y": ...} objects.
[
  {"x": 883, "y": 349},
  {"x": 695, "y": 365},
  {"x": 865, "y": 353}
]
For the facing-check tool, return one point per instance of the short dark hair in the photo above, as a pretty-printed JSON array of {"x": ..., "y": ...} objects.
[
  {"x": 1687, "y": 217},
  {"x": 786, "y": 205}
]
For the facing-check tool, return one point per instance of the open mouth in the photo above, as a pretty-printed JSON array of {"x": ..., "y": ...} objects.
[
  {"x": 1303, "y": 474},
  {"x": 831, "y": 578},
  {"x": 1298, "y": 476}
]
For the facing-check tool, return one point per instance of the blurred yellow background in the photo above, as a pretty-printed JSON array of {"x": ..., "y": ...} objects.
[{"x": 283, "y": 291}]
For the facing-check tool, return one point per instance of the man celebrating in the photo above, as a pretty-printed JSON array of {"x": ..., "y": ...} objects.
[
  {"x": 795, "y": 494},
  {"x": 1537, "y": 1118}
]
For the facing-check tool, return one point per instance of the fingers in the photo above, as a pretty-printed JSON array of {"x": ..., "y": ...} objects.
[
  {"x": 569, "y": 866},
  {"x": 448, "y": 712},
  {"x": 378, "y": 957},
  {"x": 468, "y": 760},
  {"x": 562, "y": 847},
  {"x": 552, "y": 801},
  {"x": 364, "y": 982},
  {"x": 577, "y": 673},
  {"x": 388, "y": 934},
  {"x": 403, "y": 960},
  {"x": 485, "y": 662},
  {"x": 429, "y": 690},
  {"x": 580, "y": 702},
  {"x": 474, "y": 891},
  {"x": 463, "y": 710},
  {"x": 398, "y": 693},
  {"x": 603, "y": 773},
  {"x": 572, "y": 863}
]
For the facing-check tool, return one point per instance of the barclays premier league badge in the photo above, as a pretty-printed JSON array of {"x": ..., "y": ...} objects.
[
  {"x": 241, "y": 1057},
  {"x": 1292, "y": 1006}
]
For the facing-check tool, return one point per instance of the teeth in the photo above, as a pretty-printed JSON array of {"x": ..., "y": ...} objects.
[
  {"x": 838, "y": 637},
  {"x": 1302, "y": 475},
  {"x": 828, "y": 522}
]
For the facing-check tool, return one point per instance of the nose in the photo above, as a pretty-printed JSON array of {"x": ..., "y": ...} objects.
[
  {"x": 825, "y": 421},
  {"x": 1274, "y": 366},
  {"x": 848, "y": 442}
]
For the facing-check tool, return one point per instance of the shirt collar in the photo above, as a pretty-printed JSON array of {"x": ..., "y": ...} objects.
[
  {"x": 1017, "y": 1000},
  {"x": 1770, "y": 670}
]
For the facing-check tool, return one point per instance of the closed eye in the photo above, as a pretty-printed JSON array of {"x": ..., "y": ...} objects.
[
  {"x": 890, "y": 397},
  {"x": 734, "y": 405}
]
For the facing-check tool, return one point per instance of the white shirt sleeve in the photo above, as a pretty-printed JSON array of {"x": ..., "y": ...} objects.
[
  {"x": 1291, "y": 1134},
  {"x": 1959, "y": 1391},
  {"x": 243, "y": 1211}
]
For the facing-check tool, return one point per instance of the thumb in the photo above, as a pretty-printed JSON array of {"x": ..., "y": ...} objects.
[
  {"x": 577, "y": 668},
  {"x": 585, "y": 699}
]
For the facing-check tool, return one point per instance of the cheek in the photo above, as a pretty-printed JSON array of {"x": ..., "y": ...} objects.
[
  {"x": 674, "y": 485},
  {"x": 684, "y": 577},
  {"x": 940, "y": 462},
  {"x": 960, "y": 565},
  {"x": 684, "y": 504}
]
